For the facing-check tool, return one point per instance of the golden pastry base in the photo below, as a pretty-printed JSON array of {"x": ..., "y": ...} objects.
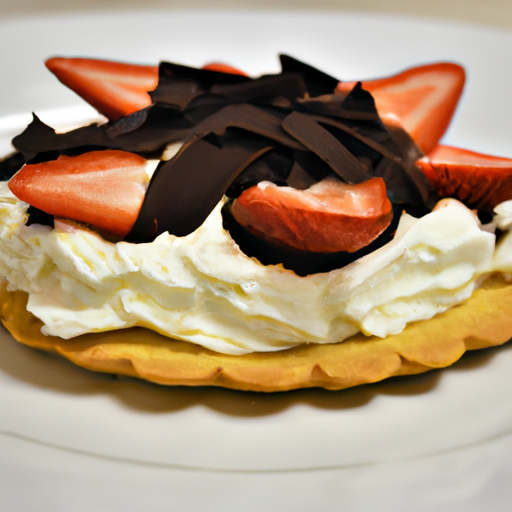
[{"x": 485, "y": 320}]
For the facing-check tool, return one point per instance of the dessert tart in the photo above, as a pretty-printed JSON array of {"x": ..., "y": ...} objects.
[
  {"x": 263, "y": 234},
  {"x": 482, "y": 321}
]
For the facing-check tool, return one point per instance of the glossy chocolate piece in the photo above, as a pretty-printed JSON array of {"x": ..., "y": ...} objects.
[
  {"x": 186, "y": 189},
  {"x": 317, "y": 82},
  {"x": 321, "y": 142}
]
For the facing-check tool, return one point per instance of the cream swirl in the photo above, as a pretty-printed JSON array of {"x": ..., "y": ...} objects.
[{"x": 203, "y": 289}]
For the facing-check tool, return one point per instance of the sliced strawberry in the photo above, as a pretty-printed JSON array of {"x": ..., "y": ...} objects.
[
  {"x": 330, "y": 216},
  {"x": 224, "y": 68},
  {"x": 478, "y": 180},
  {"x": 102, "y": 188},
  {"x": 115, "y": 89},
  {"x": 421, "y": 99}
]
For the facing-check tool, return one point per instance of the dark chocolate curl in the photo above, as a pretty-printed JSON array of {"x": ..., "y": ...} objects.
[
  {"x": 377, "y": 142},
  {"x": 150, "y": 129},
  {"x": 178, "y": 84},
  {"x": 41, "y": 138},
  {"x": 144, "y": 131},
  {"x": 275, "y": 166},
  {"x": 247, "y": 117},
  {"x": 317, "y": 82},
  {"x": 203, "y": 106},
  {"x": 10, "y": 165},
  {"x": 263, "y": 89},
  {"x": 358, "y": 105},
  {"x": 187, "y": 188},
  {"x": 326, "y": 146},
  {"x": 406, "y": 183}
]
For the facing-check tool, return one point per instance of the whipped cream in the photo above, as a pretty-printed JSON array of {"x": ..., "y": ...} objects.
[
  {"x": 204, "y": 289},
  {"x": 502, "y": 259}
]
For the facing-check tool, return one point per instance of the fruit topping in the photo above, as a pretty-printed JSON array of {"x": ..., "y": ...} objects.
[
  {"x": 314, "y": 138},
  {"x": 301, "y": 262},
  {"x": 289, "y": 128},
  {"x": 329, "y": 216},
  {"x": 421, "y": 99},
  {"x": 224, "y": 68},
  {"x": 114, "y": 89},
  {"x": 102, "y": 188},
  {"x": 478, "y": 180}
]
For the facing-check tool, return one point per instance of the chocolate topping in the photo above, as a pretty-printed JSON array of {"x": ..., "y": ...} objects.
[
  {"x": 317, "y": 82},
  {"x": 249, "y": 118},
  {"x": 10, "y": 165},
  {"x": 289, "y": 128},
  {"x": 185, "y": 190},
  {"x": 326, "y": 146},
  {"x": 39, "y": 140},
  {"x": 178, "y": 84}
]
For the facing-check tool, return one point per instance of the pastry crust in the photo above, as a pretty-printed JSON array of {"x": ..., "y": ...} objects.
[{"x": 482, "y": 321}]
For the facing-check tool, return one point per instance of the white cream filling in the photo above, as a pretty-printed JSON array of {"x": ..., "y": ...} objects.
[{"x": 203, "y": 289}]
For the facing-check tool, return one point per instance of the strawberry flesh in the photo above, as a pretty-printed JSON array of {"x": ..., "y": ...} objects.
[
  {"x": 478, "y": 180},
  {"x": 224, "y": 68},
  {"x": 114, "y": 89},
  {"x": 421, "y": 99},
  {"x": 104, "y": 189},
  {"x": 330, "y": 216}
]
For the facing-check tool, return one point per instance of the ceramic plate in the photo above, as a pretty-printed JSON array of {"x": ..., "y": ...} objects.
[{"x": 75, "y": 440}]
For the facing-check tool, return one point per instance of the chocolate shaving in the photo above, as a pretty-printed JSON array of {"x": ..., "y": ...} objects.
[
  {"x": 275, "y": 165},
  {"x": 40, "y": 138},
  {"x": 184, "y": 190},
  {"x": 10, "y": 165},
  {"x": 247, "y": 117},
  {"x": 264, "y": 89},
  {"x": 148, "y": 130},
  {"x": 178, "y": 84},
  {"x": 358, "y": 105},
  {"x": 36, "y": 216},
  {"x": 326, "y": 146},
  {"x": 202, "y": 107},
  {"x": 317, "y": 82}
]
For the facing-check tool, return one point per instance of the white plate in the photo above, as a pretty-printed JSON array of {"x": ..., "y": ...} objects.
[{"x": 74, "y": 440}]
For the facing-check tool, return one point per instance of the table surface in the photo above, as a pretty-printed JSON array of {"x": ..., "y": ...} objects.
[{"x": 496, "y": 13}]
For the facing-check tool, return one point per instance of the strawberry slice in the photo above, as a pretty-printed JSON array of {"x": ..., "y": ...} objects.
[
  {"x": 102, "y": 188},
  {"x": 114, "y": 89},
  {"x": 478, "y": 180},
  {"x": 421, "y": 99},
  {"x": 330, "y": 216},
  {"x": 224, "y": 68}
]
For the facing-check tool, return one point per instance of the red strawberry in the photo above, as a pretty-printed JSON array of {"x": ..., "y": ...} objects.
[
  {"x": 115, "y": 89},
  {"x": 421, "y": 99},
  {"x": 224, "y": 68},
  {"x": 481, "y": 181},
  {"x": 102, "y": 188},
  {"x": 330, "y": 216}
]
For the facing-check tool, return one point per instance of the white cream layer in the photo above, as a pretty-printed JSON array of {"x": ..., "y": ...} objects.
[{"x": 203, "y": 289}]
